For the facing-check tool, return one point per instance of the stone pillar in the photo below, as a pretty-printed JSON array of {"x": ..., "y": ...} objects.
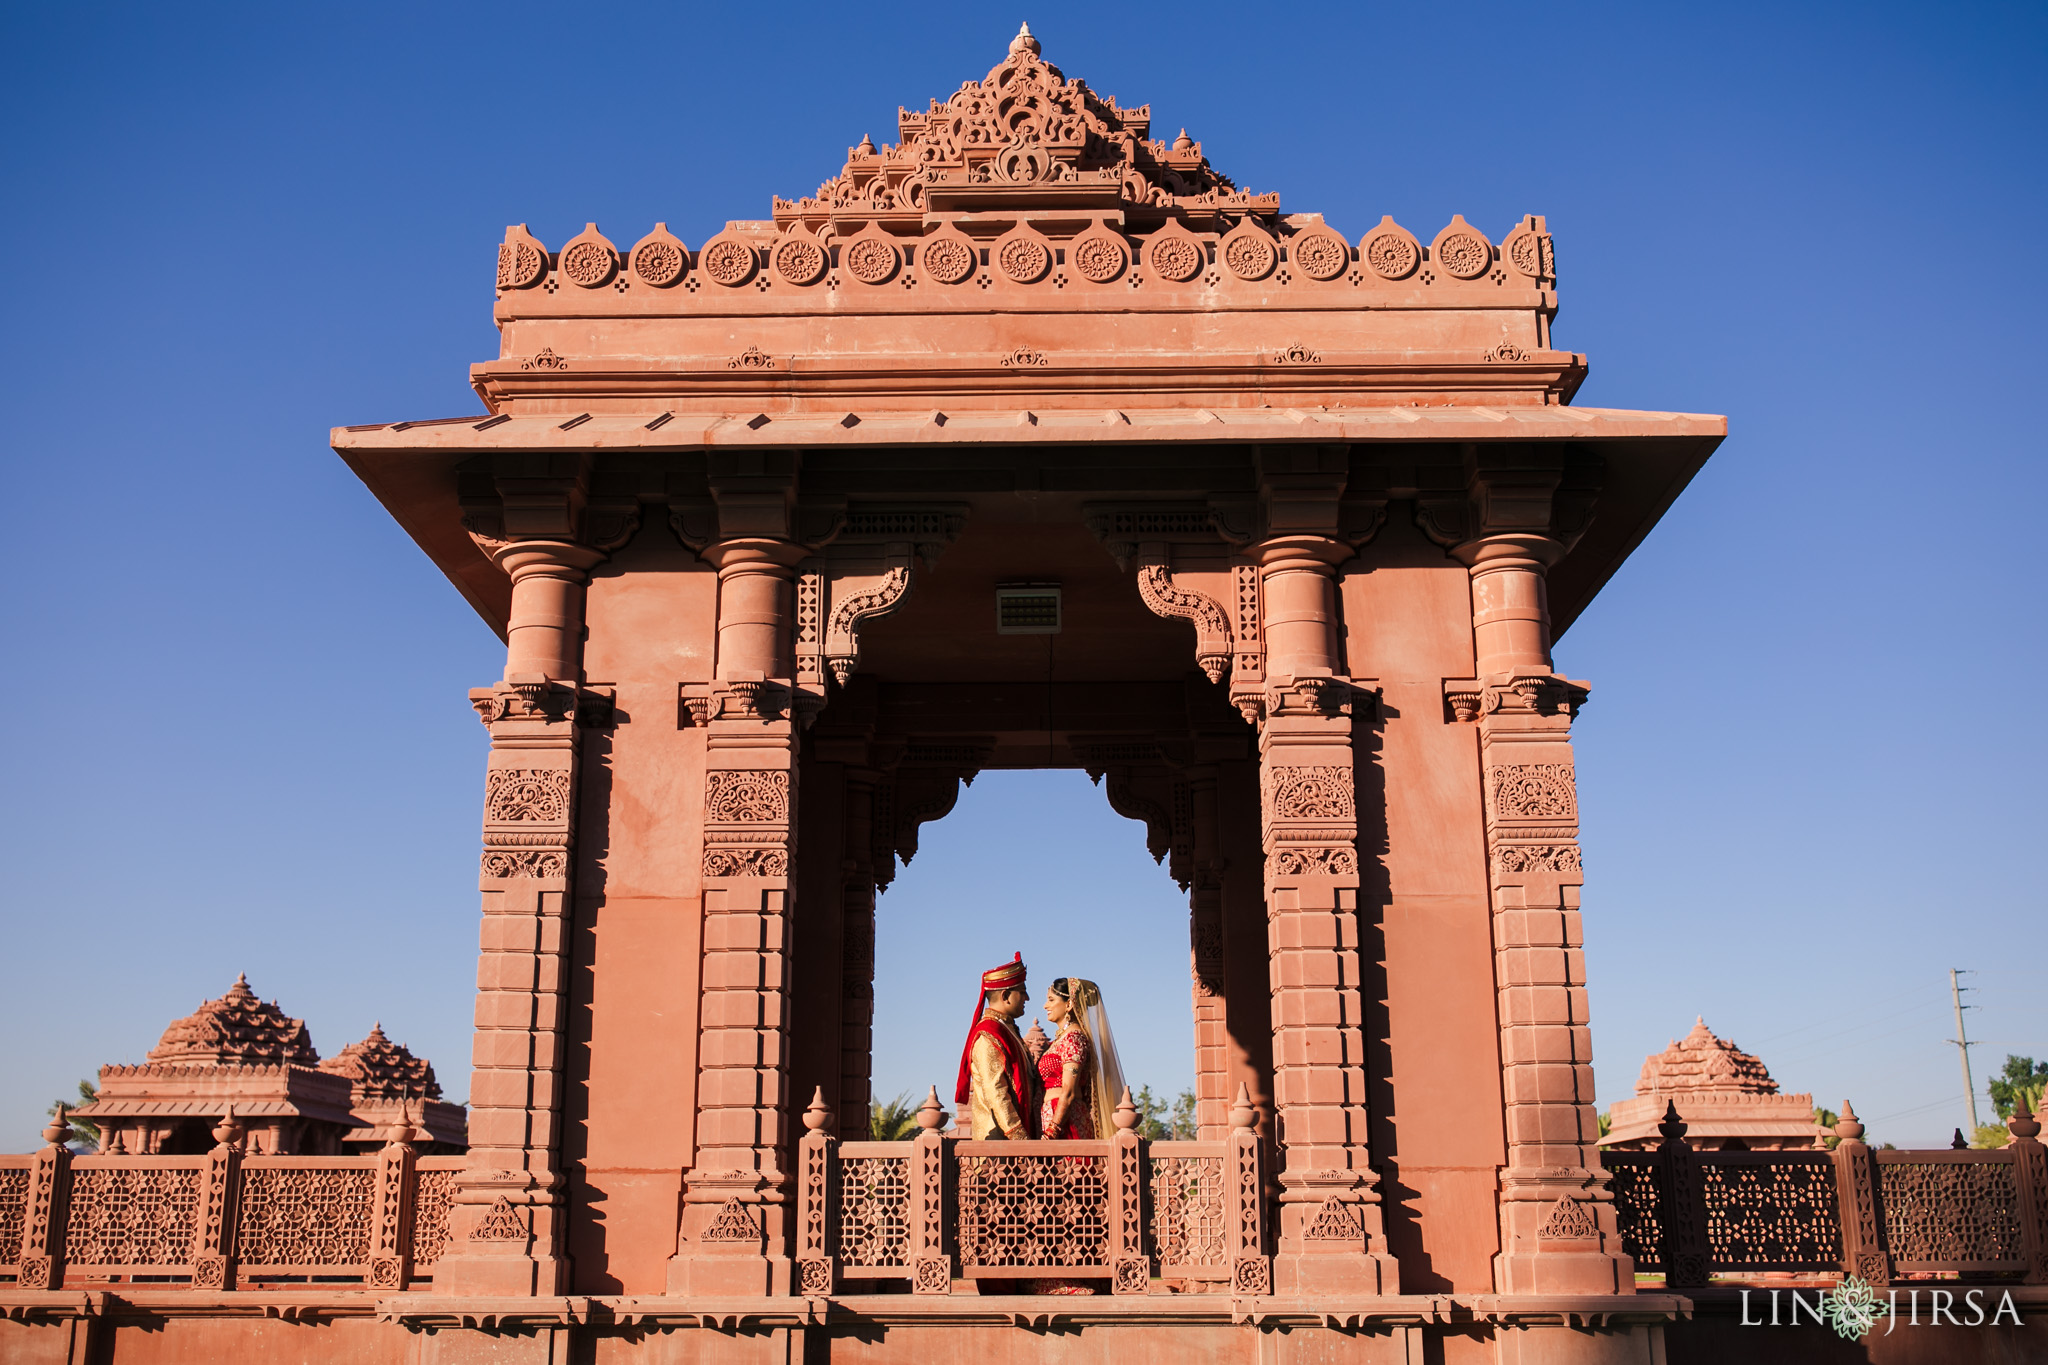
[
  {"x": 1516, "y": 519},
  {"x": 509, "y": 1215},
  {"x": 737, "y": 1205},
  {"x": 857, "y": 948},
  {"x": 1331, "y": 1234},
  {"x": 1214, "y": 1083}
]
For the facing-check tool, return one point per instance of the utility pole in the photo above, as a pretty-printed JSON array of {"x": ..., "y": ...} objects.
[{"x": 1962, "y": 1042}]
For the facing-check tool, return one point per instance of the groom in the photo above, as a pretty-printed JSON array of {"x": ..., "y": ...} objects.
[{"x": 998, "y": 1084}]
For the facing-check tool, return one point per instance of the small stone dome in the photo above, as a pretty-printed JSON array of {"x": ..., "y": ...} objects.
[
  {"x": 1700, "y": 1061},
  {"x": 378, "y": 1068},
  {"x": 236, "y": 1030}
]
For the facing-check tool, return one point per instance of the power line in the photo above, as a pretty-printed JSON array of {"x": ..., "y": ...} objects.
[
  {"x": 1917, "y": 1109},
  {"x": 1834, "y": 1018}
]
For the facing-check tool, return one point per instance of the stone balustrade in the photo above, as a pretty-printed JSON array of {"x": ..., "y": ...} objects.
[
  {"x": 223, "y": 1220},
  {"x": 934, "y": 1209},
  {"x": 1880, "y": 1214}
]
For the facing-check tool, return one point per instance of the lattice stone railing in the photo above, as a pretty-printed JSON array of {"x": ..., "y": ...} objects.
[
  {"x": 223, "y": 1220},
  {"x": 1690, "y": 1215},
  {"x": 936, "y": 1209}
]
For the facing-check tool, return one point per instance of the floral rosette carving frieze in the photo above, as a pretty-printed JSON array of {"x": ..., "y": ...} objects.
[
  {"x": 746, "y": 822},
  {"x": 747, "y": 797},
  {"x": 1310, "y": 793},
  {"x": 526, "y": 823},
  {"x": 1311, "y": 815},
  {"x": 521, "y": 795},
  {"x": 1534, "y": 791},
  {"x": 1532, "y": 817}
]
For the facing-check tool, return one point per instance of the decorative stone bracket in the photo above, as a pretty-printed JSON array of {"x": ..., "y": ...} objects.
[
  {"x": 1167, "y": 598},
  {"x": 747, "y": 697},
  {"x": 846, "y": 594},
  {"x": 1545, "y": 694}
]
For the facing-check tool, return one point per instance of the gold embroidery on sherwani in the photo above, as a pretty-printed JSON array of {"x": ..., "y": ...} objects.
[{"x": 992, "y": 1110}]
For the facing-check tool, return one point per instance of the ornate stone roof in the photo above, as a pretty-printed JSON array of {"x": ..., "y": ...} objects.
[
  {"x": 1025, "y": 132},
  {"x": 378, "y": 1068},
  {"x": 1702, "y": 1062},
  {"x": 236, "y": 1030}
]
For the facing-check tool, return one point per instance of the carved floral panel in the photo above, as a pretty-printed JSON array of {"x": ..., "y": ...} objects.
[
  {"x": 747, "y": 796},
  {"x": 523, "y": 795},
  {"x": 1321, "y": 793},
  {"x": 1534, "y": 791}
]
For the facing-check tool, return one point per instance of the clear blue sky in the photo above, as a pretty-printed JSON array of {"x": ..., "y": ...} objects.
[{"x": 1811, "y": 771}]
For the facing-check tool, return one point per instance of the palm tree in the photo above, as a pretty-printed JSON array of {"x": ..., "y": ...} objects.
[
  {"x": 83, "y": 1133},
  {"x": 895, "y": 1121}
]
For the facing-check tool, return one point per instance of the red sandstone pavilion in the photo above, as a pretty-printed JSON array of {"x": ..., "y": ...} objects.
[
  {"x": 1725, "y": 1096},
  {"x": 1029, "y": 441}
]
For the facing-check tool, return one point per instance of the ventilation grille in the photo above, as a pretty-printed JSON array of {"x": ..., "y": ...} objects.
[{"x": 1027, "y": 611}]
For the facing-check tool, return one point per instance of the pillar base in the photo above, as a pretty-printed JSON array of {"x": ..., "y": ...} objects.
[
  {"x": 725, "y": 1248},
  {"x": 501, "y": 1276},
  {"x": 700, "y": 1274},
  {"x": 1310, "y": 1273},
  {"x": 1542, "y": 1271}
]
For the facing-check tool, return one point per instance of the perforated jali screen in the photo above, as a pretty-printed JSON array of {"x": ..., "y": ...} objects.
[
  {"x": 1190, "y": 1213},
  {"x": 1771, "y": 1210},
  {"x": 874, "y": 1211},
  {"x": 1958, "y": 1214},
  {"x": 1049, "y": 1212},
  {"x": 1636, "y": 1207}
]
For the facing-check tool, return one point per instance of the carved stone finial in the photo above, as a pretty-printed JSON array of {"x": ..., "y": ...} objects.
[
  {"x": 229, "y": 1131},
  {"x": 818, "y": 1115},
  {"x": 2022, "y": 1124},
  {"x": 59, "y": 1127},
  {"x": 1959, "y": 1143},
  {"x": 1183, "y": 143},
  {"x": 1035, "y": 1041},
  {"x": 1126, "y": 1113},
  {"x": 1242, "y": 1112},
  {"x": 1848, "y": 1127},
  {"x": 1673, "y": 1127},
  {"x": 931, "y": 1115},
  {"x": 1024, "y": 42},
  {"x": 867, "y": 146}
]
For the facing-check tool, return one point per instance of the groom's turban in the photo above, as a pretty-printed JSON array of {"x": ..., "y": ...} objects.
[{"x": 1009, "y": 976}]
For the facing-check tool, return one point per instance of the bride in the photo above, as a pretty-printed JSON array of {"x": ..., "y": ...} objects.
[
  {"x": 1079, "y": 1067},
  {"x": 1082, "y": 1085}
]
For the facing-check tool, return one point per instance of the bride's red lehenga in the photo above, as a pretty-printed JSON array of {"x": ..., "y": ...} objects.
[{"x": 1070, "y": 1047}]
